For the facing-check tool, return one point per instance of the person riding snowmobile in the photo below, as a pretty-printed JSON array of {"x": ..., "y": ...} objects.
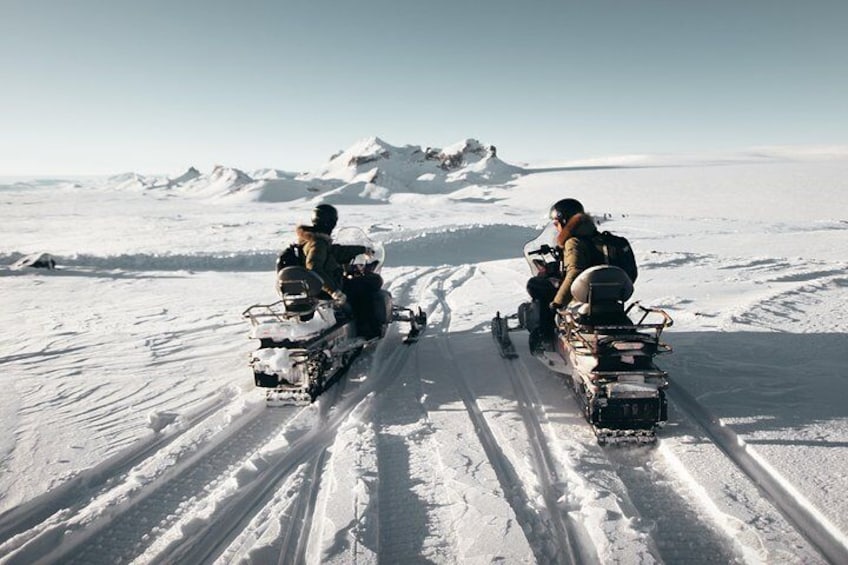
[
  {"x": 356, "y": 295},
  {"x": 575, "y": 228},
  {"x": 322, "y": 257}
]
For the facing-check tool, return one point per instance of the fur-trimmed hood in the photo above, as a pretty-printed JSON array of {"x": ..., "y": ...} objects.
[{"x": 579, "y": 225}]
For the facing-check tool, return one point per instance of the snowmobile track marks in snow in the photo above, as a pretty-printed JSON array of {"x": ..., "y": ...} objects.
[
  {"x": 570, "y": 532},
  {"x": 511, "y": 484},
  {"x": 299, "y": 520},
  {"x": 74, "y": 494},
  {"x": 127, "y": 531},
  {"x": 819, "y": 531},
  {"x": 681, "y": 531},
  {"x": 407, "y": 506},
  {"x": 211, "y": 539}
]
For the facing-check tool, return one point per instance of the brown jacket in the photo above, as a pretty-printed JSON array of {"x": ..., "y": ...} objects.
[
  {"x": 324, "y": 258},
  {"x": 578, "y": 254}
]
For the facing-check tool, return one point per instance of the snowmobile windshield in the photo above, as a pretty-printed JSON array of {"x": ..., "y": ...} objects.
[
  {"x": 540, "y": 251},
  {"x": 363, "y": 262}
]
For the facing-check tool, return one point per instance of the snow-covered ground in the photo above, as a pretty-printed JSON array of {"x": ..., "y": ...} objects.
[{"x": 131, "y": 430}]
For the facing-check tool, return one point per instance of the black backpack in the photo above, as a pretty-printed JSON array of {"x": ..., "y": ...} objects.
[
  {"x": 292, "y": 256},
  {"x": 615, "y": 250}
]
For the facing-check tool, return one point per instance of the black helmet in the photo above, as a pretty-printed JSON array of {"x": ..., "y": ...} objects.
[
  {"x": 325, "y": 217},
  {"x": 564, "y": 209}
]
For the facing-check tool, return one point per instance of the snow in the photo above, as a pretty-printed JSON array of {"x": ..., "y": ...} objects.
[{"x": 132, "y": 430}]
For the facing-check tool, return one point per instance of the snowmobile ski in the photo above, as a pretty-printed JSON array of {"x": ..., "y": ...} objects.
[
  {"x": 500, "y": 333},
  {"x": 417, "y": 322}
]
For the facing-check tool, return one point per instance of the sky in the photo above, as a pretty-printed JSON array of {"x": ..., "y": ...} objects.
[{"x": 100, "y": 87}]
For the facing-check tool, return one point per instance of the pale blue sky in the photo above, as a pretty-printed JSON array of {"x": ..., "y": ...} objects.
[{"x": 102, "y": 86}]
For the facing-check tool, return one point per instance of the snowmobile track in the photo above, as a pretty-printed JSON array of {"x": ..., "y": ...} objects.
[
  {"x": 570, "y": 532},
  {"x": 686, "y": 535},
  {"x": 76, "y": 493},
  {"x": 825, "y": 537},
  {"x": 127, "y": 531},
  {"x": 408, "y": 507},
  {"x": 210, "y": 540},
  {"x": 513, "y": 487},
  {"x": 511, "y": 484},
  {"x": 299, "y": 521}
]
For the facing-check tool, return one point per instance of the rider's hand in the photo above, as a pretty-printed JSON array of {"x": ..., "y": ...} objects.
[
  {"x": 554, "y": 306},
  {"x": 339, "y": 298}
]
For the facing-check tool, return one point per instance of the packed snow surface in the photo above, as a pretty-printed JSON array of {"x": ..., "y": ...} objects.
[{"x": 132, "y": 430}]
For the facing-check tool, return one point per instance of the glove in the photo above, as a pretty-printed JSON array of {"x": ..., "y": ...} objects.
[
  {"x": 554, "y": 306},
  {"x": 339, "y": 298}
]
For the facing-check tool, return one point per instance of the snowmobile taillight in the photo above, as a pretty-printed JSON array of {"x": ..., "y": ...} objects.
[{"x": 628, "y": 345}]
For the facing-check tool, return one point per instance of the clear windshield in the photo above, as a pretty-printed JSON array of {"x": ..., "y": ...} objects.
[
  {"x": 541, "y": 253},
  {"x": 355, "y": 236}
]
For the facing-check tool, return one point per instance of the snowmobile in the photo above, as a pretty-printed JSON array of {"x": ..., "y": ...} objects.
[
  {"x": 606, "y": 346},
  {"x": 307, "y": 340}
]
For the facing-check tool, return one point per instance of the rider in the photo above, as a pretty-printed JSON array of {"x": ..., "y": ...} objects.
[
  {"x": 322, "y": 256},
  {"x": 574, "y": 228},
  {"x": 360, "y": 296}
]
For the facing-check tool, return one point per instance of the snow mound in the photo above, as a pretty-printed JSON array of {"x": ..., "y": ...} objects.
[
  {"x": 35, "y": 261},
  {"x": 373, "y": 170},
  {"x": 134, "y": 182}
]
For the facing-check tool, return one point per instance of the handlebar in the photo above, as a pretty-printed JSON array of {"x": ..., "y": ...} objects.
[{"x": 543, "y": 250}]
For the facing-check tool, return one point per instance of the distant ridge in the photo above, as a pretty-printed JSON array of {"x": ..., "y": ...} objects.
[{"x": 370, "y": 171}]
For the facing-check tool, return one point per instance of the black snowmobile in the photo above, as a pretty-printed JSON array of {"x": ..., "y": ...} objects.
[
  {"x": 606, "y": 346},
  {"x": 306, "y": 341}
]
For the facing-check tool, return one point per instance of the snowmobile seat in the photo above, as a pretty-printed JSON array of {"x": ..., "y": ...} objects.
[
  {"x": 600, "y": 293},
  {"x": 299, "y": 289}
]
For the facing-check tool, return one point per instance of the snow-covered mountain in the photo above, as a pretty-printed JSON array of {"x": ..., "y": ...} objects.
[
  {"x": 369, "y": 171},
  {"x": 187, "y": 176},
  {"x": 132, "y": 430},
  {"x": 372, "y": 169}
]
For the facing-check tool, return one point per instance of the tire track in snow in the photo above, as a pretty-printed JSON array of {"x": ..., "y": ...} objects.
[
  {"x": 210, "y": 539},
  {"x": 513, "y": 487},
  {"x": 680, "y": 531},
  {"x": 571, "y": 535},
  {"x": 402, "y": 515},
  {"x": 811, "y": 524},
  {"x": 410, "y": 496},
  {"x": 345, "y": 528},
  {"x": 292, "y": 547},
  {"x": 75, "y": 493},
  {"x": 125, "y": 532},
  {"x": 271, "y": 535}
]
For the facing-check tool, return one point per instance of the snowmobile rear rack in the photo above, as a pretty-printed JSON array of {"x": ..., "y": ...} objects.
[
  {"x": 590, "y": 339},
  {"x": 276, "y": 311}
]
